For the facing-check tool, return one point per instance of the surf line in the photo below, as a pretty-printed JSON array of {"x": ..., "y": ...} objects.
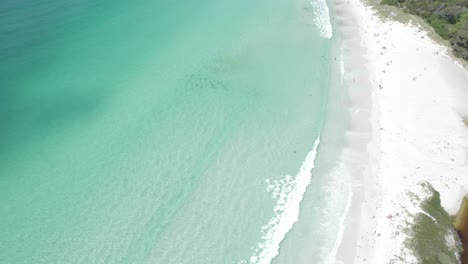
[{"x": 289, "y": 193}]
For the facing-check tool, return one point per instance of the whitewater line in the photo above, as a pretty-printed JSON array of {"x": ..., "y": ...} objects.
[
  {"x": 322, "y": 18},
  {"x": 289, "y": 193}
]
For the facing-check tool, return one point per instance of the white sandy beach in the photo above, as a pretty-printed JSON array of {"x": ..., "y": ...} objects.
[{"x": 408, "y": 98}]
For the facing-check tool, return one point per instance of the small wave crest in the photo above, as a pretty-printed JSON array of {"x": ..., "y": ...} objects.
[
  {"x": 342, "y": 67},
  {"x": 288, "y": 192},
  {"x": 322, "y": 18},
  {"x": 341, "y": 182}
]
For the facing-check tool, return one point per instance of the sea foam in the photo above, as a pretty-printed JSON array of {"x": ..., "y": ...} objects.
[
  {"x": 322, "y": 18},
  {"x": 288, "y": 192},
  {"x": 339, "y": 193}
]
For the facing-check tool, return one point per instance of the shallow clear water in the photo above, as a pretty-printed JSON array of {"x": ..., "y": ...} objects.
[{"x": 145, "y": 132}]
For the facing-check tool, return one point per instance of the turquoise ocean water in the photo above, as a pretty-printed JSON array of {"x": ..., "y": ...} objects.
[{"x": 159, "y": 131}]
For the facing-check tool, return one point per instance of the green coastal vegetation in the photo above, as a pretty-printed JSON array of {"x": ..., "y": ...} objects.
[
  {"x": 430, "y": 231},
  {"x": 449, "y": 18}
]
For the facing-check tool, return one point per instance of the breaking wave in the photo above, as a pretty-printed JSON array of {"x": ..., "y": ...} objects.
[
  {"x": 322, "y": 18},
  {"x": 288, "y": 193}
]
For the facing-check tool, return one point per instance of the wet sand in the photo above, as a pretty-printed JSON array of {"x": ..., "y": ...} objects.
[{"x": 407, "y": 104}]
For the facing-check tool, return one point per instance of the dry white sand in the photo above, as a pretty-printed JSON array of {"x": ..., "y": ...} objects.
[{"x": 407, "y": 103}]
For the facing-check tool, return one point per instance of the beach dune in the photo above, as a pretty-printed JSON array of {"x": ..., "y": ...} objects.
[{"x": 408, "y": 102}]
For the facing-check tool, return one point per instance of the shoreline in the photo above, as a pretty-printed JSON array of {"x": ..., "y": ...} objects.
[
  {"x": 406, "y": 125},
  {"x": 360, "y": 147}
]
